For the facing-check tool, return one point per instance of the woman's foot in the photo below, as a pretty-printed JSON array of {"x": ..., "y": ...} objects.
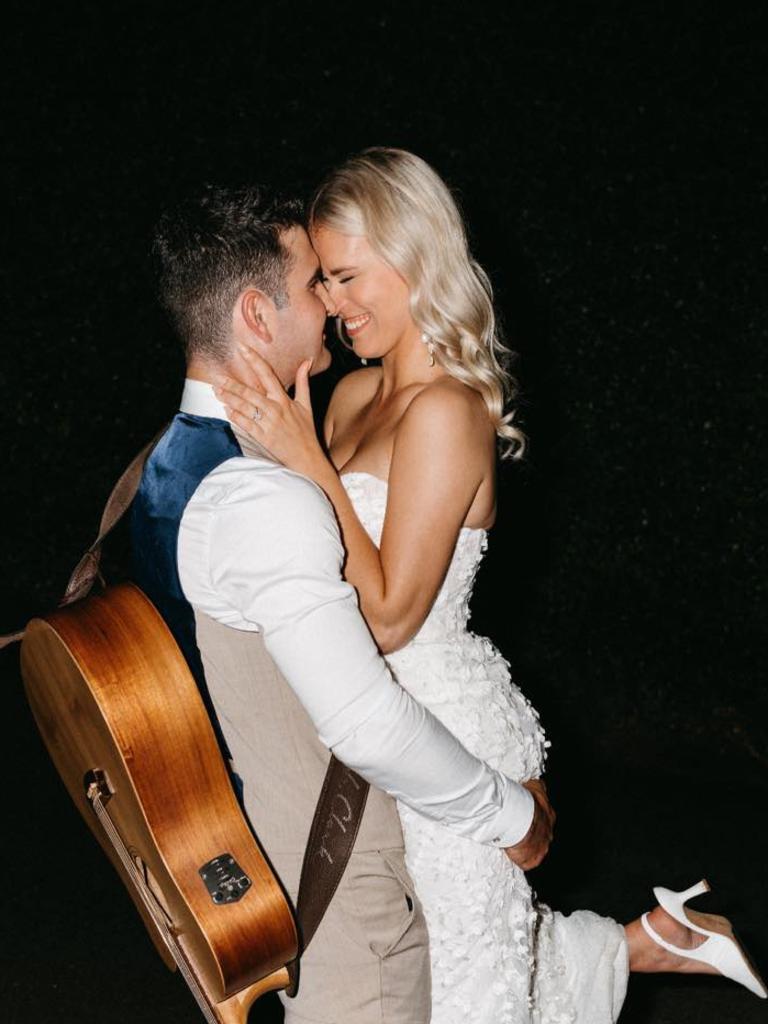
[
  {"x": 681, "y": 941},
  {"x": 646, "y": 956}
]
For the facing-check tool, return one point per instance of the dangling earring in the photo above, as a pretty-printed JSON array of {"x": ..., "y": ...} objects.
[
  {"x": 340, "y": 336},
  {"x": 430, "y": 348}
]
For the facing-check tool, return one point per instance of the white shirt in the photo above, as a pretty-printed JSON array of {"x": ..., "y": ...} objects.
[{"x": 259, "y": 549}]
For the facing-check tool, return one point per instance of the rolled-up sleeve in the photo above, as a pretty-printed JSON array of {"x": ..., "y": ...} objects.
[{"x": 276, "y": 556}]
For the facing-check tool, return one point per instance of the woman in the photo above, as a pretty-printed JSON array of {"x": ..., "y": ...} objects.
[{"x": 411, "y": 476}]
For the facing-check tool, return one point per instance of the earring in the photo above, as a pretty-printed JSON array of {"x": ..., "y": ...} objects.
[
  {"x": 430, "y": 348},
  {"x": 343, "y": 340}
]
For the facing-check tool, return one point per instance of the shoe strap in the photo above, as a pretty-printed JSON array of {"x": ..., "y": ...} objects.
[{"x": 691, "y": 954}]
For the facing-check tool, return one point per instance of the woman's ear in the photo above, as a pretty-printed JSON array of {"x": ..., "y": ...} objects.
[{"x": 257, "y": 311}]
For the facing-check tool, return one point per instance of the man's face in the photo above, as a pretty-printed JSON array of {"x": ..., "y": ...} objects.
[{"x": 300, "y": 323}]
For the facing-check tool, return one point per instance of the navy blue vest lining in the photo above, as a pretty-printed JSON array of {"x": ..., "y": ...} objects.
[{"x": 190, "y": 449}]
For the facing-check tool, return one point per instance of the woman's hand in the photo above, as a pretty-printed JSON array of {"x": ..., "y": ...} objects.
[{"x": 284, "y": 426}]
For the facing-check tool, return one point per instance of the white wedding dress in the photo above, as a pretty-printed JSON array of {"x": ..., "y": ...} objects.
[{"x": 498, "y": 956}]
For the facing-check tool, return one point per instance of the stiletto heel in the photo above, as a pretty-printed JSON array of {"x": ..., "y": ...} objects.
[{"x": 721, "y": 949}]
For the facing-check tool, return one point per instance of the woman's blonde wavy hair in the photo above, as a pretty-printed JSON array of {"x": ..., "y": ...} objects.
[{"x": 412, "y": 221}]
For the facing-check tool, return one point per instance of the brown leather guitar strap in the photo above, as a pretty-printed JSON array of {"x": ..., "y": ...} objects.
[
  {"x": 341, "y": 803},
  {"x": 86, "y": 571}
]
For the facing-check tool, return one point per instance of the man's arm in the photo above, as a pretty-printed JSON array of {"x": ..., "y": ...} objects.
[
  {"x": 533, "y": 847},
  {"x": 275, "y": 556}
]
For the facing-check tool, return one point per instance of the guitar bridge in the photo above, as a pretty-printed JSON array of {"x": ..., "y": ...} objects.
[{"x": 224, "y": 879}]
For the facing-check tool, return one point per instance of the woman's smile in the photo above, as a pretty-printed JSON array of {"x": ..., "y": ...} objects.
[{"x": 355, "y": 324}]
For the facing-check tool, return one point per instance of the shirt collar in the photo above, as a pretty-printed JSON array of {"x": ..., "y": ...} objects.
[{"x": 198, "y": 399}]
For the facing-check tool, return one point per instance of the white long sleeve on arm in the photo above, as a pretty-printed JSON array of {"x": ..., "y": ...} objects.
[{"x": 275, "y": 558}]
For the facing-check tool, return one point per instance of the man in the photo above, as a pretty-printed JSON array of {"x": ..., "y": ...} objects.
[{"x": 243, "y": 558}]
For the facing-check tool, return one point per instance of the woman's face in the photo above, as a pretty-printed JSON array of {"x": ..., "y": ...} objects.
[{"x": 371, "y": 297}]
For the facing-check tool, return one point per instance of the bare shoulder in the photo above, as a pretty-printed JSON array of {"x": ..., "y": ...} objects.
[
  {"x": 448, "y": 403},
  {"x": 352, "y": 392},
  {"x": 446, "y": 439},
  {"x": 358, "y": 384}
]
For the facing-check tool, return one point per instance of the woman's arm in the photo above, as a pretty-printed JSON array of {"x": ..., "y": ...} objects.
[{"x": 443, "y": 450}]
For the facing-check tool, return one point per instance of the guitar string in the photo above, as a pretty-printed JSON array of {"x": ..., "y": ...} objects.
[{"x": 170, "y": 939}]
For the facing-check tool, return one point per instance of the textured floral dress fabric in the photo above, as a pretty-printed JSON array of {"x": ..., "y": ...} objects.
[{"x": 498, "y": 956}]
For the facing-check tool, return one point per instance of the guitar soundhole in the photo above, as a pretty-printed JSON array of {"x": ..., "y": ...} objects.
[{"x": 224, "y": 879}]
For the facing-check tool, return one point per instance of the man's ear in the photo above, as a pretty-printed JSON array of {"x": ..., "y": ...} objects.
[{"x": 258, "y": 311}]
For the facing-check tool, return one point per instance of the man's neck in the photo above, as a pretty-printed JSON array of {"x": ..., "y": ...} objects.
[
  {"x": 202, "y": 370},
  {"x": 207, "y": 373}
]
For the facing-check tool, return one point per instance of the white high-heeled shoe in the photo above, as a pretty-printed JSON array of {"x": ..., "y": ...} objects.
[{"x": 721, "y": 948}]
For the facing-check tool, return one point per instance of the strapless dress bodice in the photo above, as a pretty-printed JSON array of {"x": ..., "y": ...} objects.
[{"x": 450, "y": 612}]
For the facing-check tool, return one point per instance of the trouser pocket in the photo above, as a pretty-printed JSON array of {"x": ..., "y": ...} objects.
[
  {"x": 395, "y": 861},
  {"x": 377, "y": 900}
]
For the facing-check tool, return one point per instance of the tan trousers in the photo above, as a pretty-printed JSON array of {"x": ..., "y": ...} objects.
[{"x": 368, "y": 962}]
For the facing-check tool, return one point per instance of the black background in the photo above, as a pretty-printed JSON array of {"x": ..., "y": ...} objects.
[{"x": 611, "y": 161}]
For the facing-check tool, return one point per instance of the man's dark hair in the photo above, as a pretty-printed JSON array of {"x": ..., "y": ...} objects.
[{"x": 212, "y": 246}]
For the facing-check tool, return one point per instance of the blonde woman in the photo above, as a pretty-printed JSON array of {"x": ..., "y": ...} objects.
[{"x": 411, "y": 475}]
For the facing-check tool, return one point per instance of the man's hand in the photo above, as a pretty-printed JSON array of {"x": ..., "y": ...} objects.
[{"x": 532, "y": 849}]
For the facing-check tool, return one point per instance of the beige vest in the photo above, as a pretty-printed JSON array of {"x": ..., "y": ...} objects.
[{"x": 275, "y": 748}]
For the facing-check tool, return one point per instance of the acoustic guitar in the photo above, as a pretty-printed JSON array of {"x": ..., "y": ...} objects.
[{"x": 123, "y": 720}]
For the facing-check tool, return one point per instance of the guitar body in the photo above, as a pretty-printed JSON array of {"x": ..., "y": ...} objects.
[{"x": 124, "y": 723}]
